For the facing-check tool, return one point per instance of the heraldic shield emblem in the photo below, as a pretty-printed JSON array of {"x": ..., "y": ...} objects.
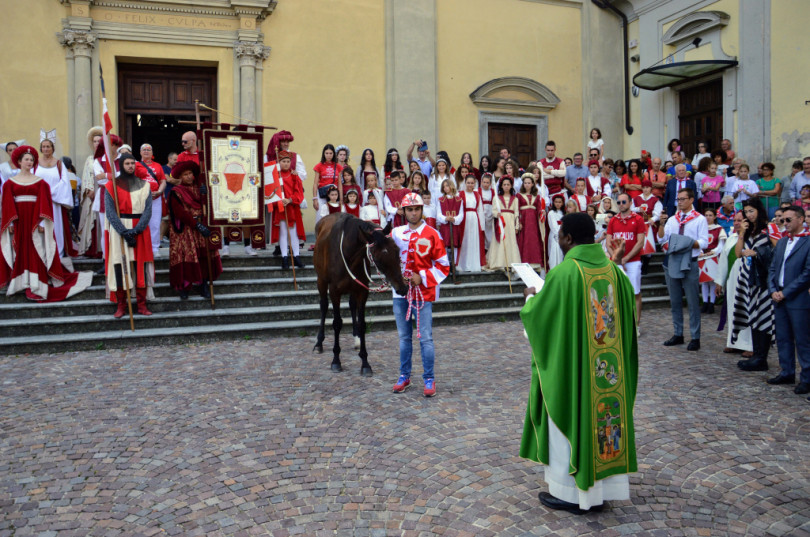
[
  {"x": 234, "y": 173},
  {"x": 422, "y": 247}
]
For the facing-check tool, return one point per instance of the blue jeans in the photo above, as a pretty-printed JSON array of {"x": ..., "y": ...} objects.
[{"x": 405, "y": 330}]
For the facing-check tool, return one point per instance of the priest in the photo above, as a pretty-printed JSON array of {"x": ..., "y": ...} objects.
[{"x": 579, "y": 419}]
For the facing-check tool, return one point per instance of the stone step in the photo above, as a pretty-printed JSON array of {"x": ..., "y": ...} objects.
[
  {"x": 81, "y": 305},
  {"x": 205, "y": 316},
  {"x": 122, "y": 336}
]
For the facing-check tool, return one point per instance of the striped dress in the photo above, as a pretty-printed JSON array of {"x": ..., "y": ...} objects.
[{"x": 752, "y": 303}]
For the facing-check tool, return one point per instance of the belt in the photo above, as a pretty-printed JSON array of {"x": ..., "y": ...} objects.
[
  {"x": 130, "y": 216},
  {"x": 527, "y": 207},
  {"x": 510, "y": 211},
  {"x": 485, "y": 202},
  {"x": 468, "y": 210},
  {"x": 24, "y": 198}
]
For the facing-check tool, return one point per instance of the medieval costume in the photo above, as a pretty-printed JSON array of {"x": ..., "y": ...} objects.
[
  {"x": 554, "y": 180},
  {"x": 471, "y": 255},
  {"x": 489, "y": 225},
  {"x": 62, "y": 198},
  {"x": 128, "y": 239},
  {"x": 529, "y": 241},
  {"x": 99, "y": 169},
  {"x": 188, "y": 259},
  {"x": 504, "y": 250},
  {"x": 89, "y": 245},
  {"x": 393, "y": 199},
  {"x": 579, "y": 418},
  {"x": 555, "y": 255},
  {"x": 287, "y": 218},
  {"x": 450, "y": 208},
  {"x": 29, "y": 257}
]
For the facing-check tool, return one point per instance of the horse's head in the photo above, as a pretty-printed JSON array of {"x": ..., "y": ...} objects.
[{"x": 385, "y": 253}]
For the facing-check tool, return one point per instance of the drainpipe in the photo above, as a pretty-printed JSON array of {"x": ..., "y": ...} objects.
[{"x": 607, "y": 5}]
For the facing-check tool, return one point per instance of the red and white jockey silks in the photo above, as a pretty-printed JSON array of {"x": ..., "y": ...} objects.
[{"x": 422, "y": 251}]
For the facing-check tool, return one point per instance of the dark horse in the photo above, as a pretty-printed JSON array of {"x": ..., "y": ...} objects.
[{"x": 346, "y": 242}]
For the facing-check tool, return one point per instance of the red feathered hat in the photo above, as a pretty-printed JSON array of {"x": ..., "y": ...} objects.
[
  {"x": 18, "y": 153},
  {"x": 114, "y": 141},
  {"x": 275, "y": 142},
  {"x": 181, "y": 167}
]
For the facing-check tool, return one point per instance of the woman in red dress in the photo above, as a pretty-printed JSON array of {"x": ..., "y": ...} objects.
[
  {"x": 29, "y": 259},
  {"x": 529, "y": 241}
]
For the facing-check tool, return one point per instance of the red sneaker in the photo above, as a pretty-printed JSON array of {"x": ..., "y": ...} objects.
[
  {"x": 402, "y": 384},
  {"x": 430, "y": 388}
]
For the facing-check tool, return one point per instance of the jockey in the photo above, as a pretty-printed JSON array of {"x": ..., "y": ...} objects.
[{"x": 424, "y": 265}]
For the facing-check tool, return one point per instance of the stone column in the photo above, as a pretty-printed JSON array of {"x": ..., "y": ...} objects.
[
  {"x": 81, "y": 44},
  {"x": 250, "y": 56}
]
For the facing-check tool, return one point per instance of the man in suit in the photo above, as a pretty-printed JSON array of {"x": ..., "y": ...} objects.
[
  {"x": 788, "y": 283},
  {"x": 675, "y": 185}
]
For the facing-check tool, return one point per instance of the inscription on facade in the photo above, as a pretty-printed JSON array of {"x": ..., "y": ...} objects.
[{"x": 174, "y": 21}]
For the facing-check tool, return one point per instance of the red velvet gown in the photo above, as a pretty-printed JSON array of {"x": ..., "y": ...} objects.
[
  {"x": 529, "y": 240},
  {"x": 394, "y": 199},
  {"x": 188, "y": 263},
  {"x": 454, "y": 206},
  {"x": 29, "y": 259}
]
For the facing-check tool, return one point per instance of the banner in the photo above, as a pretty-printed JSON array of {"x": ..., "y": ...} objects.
[
  {"x": 708, "y": 267},
  {"x": 234, "y": 177}
]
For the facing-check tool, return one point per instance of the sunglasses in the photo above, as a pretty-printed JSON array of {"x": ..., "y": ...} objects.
[
  {"x": 622, "y": 202},
  {"x": 787, "y": 220}
]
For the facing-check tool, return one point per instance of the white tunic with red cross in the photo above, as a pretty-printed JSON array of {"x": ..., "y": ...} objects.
[{"x": 422, "y": 251}]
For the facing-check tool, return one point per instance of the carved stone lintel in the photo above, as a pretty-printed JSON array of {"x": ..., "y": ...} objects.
[
  {"x": 250, "y": 54},
  {"x": 81, "y": 43}
]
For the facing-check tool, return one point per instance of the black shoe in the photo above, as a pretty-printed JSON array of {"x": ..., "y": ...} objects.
[
  {"x": 783, "y": 379},
  {"x": 298, "y": 263},
  {"x": 277, "y": 251},
  {"x": 802, "y": 388},
  {"x": 753, "y": 364},
  {"x": 285, "y": 263},
  {"x": 204, "y": 290},
  {"x": 711, "y": 308},
  {"x": 704, "y": 308},
  {"x": 555, "y": 503},
  {"x": 674, "y": 340},
  {"x": 184, "y": 294},
  {"x": 694, "y": 345}
]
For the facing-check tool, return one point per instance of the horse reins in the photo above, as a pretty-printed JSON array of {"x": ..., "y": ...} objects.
[{"x": 384, "y": 286}]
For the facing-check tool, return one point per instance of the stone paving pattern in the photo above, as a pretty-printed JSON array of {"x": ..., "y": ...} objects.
[{"x": 259, "y": 437}]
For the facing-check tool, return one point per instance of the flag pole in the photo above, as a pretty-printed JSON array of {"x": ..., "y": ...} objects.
[
  {"x": 205, "y": 214},
  {"x": 126, "y": 274}
]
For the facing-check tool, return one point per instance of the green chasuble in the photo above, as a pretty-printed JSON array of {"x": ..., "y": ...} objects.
[{"x": 582, "y": 334}]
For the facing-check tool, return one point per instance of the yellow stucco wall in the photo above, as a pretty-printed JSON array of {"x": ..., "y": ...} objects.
[
  {"x": 790, "y": 63},
  {"x": 467, "y": 57},
  {"x": 34, "y": 72},
  {"x": 324, "y": 81}
]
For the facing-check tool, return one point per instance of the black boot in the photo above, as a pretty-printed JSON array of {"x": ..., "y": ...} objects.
[
  {"x": 759, "y": 361},
  {"x": 285, "y": 263},
  {"x": 704, "y": 308},
  {"x": 204, "y": 289},
  {"x": 277, "y": 251},
  {"x": 298, "y": 262},
  {"x": 645, "y": 264},
  {"x": 711, "y": 308}
]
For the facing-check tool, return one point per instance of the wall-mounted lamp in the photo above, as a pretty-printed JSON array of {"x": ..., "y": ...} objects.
[{"x": 635, "y": 58}]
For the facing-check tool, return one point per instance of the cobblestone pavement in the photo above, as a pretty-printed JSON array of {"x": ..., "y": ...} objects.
[{"x": 259, "y": 437}]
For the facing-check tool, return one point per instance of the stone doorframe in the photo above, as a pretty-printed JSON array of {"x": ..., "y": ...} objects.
[{"x": 81, "y": 33}]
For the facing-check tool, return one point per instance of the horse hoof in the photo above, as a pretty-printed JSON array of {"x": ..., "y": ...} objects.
[
  {"x": 318, "y": 349},
  {"x": 337, "y": 368},
  {"x": 366, "y": 372},
  {"x": 357, "y": 342}
]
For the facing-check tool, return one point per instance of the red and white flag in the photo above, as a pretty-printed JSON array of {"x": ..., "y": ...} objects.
[
  {"x": 708, "y": 267},
  {"x": 542, "y": 210},
  {"x": 107, "y": 129},
  {"x": 649, "y": 242}
]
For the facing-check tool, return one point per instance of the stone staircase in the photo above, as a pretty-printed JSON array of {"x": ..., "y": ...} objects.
[{"x": 254, "y": 298}]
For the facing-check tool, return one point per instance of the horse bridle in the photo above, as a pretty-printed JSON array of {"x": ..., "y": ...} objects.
[{"x": 384, "y": 286}]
